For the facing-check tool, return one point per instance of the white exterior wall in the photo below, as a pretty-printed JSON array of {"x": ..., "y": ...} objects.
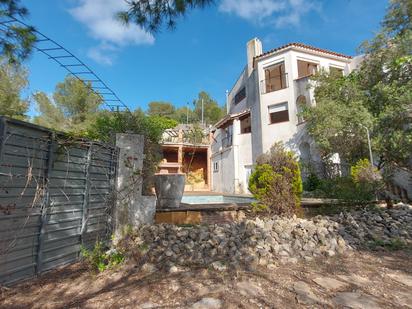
[
  {"x": 240, "y": 83},
  {"x": 232, "y": 161},
  {"x": 287, "y": 132},
  {"x": 235, "y": 161},
  {"x": 244, "y": 161}
]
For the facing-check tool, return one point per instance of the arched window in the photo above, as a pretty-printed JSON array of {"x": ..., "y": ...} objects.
[{"x": 300, "y": 104}]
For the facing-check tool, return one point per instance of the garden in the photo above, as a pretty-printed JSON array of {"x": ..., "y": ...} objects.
[{"x": 352, "y": 249}]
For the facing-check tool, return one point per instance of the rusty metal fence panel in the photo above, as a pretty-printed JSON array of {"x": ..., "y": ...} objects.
[{"x": 56, "y": 194}]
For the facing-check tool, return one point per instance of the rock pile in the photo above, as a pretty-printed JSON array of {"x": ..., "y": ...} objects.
[
  {"x": 383, "y": 225},
  {"x": 247, "y": 243},
  {"x": 263, "y": 241}
]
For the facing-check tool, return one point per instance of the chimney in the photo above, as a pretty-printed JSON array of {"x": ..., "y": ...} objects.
[{"x": 254, "y": 48}]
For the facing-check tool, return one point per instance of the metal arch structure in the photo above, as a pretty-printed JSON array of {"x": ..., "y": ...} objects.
[{"x": 72, "y": 64}]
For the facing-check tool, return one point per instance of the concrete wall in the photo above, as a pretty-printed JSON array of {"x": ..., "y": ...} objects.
[
  {"x": 403, "y": 180},
  {"x": 224, "y": 178},
  {"x": 233, "y": 162},
  {"x": 240, "y": 83},
  {"x": 131, "y": 207},
  {"x": 245, "y": 161}
]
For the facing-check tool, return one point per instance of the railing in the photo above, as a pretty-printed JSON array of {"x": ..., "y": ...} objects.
[
  {"x": 274, "y": 83},
  {"x": 185, "y": 137}
]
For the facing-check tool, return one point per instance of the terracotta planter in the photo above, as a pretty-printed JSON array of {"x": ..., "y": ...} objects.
[{"x": 169, "y": 190}]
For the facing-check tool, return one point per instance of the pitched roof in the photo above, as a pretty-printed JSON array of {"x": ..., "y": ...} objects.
[{"x": 304, "y": 46}]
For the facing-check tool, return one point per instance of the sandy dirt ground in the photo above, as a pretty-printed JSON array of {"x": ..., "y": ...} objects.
[{"x": 355, "y": 280}]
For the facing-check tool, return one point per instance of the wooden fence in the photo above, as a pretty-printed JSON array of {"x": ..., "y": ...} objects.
[{"x": 56, "y": 194}]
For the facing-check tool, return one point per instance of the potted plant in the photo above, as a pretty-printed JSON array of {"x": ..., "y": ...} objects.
[{"x": 169, "y": 189}]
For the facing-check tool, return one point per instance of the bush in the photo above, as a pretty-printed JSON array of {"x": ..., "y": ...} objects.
[
  {"x": 365, "y": 174},
  {"x": 100, "y": 258},
  {"x": 362, "y": 185},
  {"x": 312, "y": 183},
  {"x": 344, "y": 189},
  {"x": 151, "y": 127},
  {"x": 276, "y": 182}
]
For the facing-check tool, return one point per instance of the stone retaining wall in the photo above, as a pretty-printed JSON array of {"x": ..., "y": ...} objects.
[{"x": 269, "y": 240}]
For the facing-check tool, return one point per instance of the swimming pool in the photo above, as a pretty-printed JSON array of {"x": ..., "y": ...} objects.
[{"x": 216, "y": 199}]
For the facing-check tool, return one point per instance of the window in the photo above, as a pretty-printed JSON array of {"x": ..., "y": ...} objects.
[
  {"x": 240, "y": 95},
  {"x": 306, "y": 68},
  {"x": 275, "y": 78},
  {"x": 300, "y": 104},
  {"x": 278, "y": 113},
  {"x": 215, "y": 167},
  {"x": 335, "y": 71},
  {"x": 227, "y": 136},
  {"x": 245, "y": 124}
]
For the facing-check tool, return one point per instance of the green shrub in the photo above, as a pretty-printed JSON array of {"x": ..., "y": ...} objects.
[
  {"x": 100, "y": 258},
  {"x": 312, "y": 183},
  {"x": 276, "y": 182},
  {"x": 362, "y": 185},
  {"x": 365, "y": 175},
  {"x": 344, "y": 189}
]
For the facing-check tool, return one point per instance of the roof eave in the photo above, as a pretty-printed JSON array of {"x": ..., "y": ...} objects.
[{"x": 268, "y": 54}]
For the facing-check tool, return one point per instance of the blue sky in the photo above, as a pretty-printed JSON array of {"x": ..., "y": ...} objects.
[{"x": 207, "y": 51}]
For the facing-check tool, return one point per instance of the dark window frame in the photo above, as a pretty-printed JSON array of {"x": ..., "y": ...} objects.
[
  {"x": 281, "y": 116},
  {"x": 308, "y": 64},
  {"x": 273, "y": 74},
  {"x": 248, "y": 129},
  {"x": 240, "y": 96}
]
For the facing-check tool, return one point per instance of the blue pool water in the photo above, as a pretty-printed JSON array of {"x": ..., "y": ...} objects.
[{"x": 215, "y": 199}]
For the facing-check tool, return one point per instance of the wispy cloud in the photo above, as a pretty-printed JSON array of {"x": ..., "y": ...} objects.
[
  {"x": 281, "y": 13},
  {"x": 99, "y": 18}
]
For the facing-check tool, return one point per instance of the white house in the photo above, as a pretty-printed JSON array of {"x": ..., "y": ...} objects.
[{"x": 263, "y": 108}]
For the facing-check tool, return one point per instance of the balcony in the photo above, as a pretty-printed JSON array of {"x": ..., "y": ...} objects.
[{"x": 274, "y": 83}]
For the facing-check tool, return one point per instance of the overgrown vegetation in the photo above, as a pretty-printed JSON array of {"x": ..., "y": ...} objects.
[
  {"x": 276, "y": 182},
  {"x": 73, "y": 107},
  {"x": 13, "y": 81},
  {"x": 212, "y": 112},
  {"x": 101, "y": 258},
  {"x": 151, "y": 127},
  {"x": 363, "y": 185},
  {"x": 16, "y": 42},
  {"x": 378, "y": 95}
]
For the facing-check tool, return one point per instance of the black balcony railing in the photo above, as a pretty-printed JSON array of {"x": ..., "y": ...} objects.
[{"x": 274, "y": 83}]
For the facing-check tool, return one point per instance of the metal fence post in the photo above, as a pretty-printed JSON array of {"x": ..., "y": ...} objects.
[
  {"x": 45, "y": 204},
  {"x": 85, "y": 215}
]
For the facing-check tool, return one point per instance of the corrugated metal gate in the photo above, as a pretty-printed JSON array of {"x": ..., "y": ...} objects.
[{"x": 56, "y": 194}]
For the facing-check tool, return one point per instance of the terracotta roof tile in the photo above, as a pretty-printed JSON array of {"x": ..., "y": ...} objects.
[{"x": 303, "y": 46}]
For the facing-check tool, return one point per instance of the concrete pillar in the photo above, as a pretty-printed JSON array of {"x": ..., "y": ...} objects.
[{"x": 132, "y": 209}]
